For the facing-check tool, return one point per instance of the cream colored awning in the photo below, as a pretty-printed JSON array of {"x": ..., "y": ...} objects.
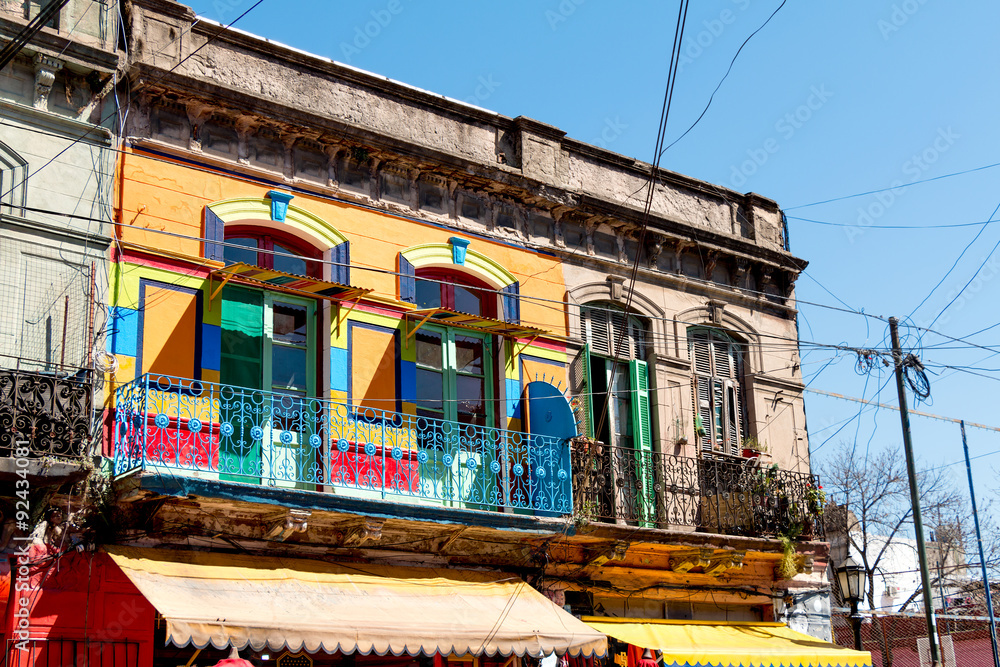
[{"x": 223, "y": 600}]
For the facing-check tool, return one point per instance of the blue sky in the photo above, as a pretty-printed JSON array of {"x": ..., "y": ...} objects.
[{"x": 829, "y": 99}]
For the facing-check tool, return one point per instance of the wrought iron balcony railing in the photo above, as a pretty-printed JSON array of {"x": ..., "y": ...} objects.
[
  {"x": 48, "y": 414},
  {"x": 728, "y": 496},
  {"x": 260, "y": 437}
]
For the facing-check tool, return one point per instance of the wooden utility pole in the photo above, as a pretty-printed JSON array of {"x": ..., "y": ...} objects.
[{"x": 918, "y": 524}]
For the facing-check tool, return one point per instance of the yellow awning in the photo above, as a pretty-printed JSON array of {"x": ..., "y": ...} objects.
[
  {"x": 704, "y": 644},
  {"x": 224, "y": 599}
]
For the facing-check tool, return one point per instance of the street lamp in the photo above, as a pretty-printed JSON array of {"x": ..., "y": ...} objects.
[{"x": 852, "y": 586}]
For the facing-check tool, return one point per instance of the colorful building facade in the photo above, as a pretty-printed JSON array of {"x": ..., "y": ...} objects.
[{"x": 365, "y": 342}]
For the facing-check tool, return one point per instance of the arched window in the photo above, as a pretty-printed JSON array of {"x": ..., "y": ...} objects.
[
  {"x": 717, "y": 365},
  {"x": 437, "y": 288},
  {"x": 262, "y": 247}
]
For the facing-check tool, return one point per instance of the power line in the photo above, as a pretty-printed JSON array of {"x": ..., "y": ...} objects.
[
  {"x": 893, "y": 187},
  {"x": 854, "y": 224},
  {"x": 887, "y": 406},
  {"x": 723, "y": 79},
  {"x": 100, "y": 125}
]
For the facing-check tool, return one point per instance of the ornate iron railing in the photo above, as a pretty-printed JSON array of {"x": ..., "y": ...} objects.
[
  {"x": 260, "y": 437},
  {"x": 51, "y": 414},
  {"x": 728, "y": 496}
]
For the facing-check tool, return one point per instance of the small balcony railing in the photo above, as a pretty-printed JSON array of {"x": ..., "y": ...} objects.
[
  {"x": 229, "y": 433},
  {"x": 727, "y": 496},
  {"x": 58, "y": 652},
  {"x": 46, "y": 414}
]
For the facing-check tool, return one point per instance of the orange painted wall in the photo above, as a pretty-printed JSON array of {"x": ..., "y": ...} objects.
[{"x": 160, "y": 195}]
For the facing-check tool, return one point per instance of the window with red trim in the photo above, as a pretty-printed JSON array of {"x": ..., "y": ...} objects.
[
  {"x": 272, "y": 251},
  {"x": 455, "y": 291}
]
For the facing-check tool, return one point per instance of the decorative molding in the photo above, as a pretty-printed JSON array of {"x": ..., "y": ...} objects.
[
  {"x": 292, "y": 521},
  {"x": 368, "y": 530},
  {"x": 686, "y": 562},
  {"x": 308, "y": 226},
  {"x": 440, "y": 255},
  {"x": 279, "y": 204},
  {"x": 45, "y": 75},
  {"x": 459, "y": 249},
  {"x": 711, "y": 562}
]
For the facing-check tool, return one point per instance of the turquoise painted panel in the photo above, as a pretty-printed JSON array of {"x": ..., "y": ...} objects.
[
  {"x": 338, "y": 369},
  {"x": 123, "y": 328},
  {"x": 513, "y": 392}
]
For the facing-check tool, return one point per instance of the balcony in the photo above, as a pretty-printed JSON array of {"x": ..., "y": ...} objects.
[
  {"x": 46, "y": 414},
  {"x": 232, "y": 434},
  {"x": 718, "y": 495}
]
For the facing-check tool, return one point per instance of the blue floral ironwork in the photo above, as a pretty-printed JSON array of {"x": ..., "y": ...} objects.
[{"x": 260, "y": 437}]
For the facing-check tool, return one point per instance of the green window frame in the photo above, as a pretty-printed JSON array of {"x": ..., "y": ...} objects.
[
  {"x": 269, "y": 343},
  {"x": 626, "y": 422}
]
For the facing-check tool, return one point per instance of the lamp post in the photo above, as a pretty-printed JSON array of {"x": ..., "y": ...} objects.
[{"x": 852, "y": 586}]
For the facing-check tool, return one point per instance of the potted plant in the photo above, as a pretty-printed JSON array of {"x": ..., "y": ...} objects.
[
  {"x": 815, "y": 499},
  {"x": 752, "y": 448}
]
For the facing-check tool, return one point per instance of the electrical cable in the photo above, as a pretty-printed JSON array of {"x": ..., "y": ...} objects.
[
  {"x": 893, "y": 187},
  {"x": 722, "y": 80},
  {"x": 115, "y": 112}
]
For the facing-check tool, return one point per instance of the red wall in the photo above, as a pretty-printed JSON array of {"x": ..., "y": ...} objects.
[{"x": 82, "y": 596}]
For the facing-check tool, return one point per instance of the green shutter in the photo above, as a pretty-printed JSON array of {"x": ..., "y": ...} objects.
[
  {"x": 241, "y": 367},
  {"x": 580, "y": 377},
  {"x": 643, "y": 439}
]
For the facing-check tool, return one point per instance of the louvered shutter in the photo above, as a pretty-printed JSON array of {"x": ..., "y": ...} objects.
[
  {"x": 580, "y": 377},
  {"x": 619, "y": 339},
  {"x": 701, "y": 360},
  {"x": 643, "y": 439},
  {"x": 597, "y": 332}
]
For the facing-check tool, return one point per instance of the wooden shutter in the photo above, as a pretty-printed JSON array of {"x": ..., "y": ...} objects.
[
  {"x": 643, "y": 440},
  {"x": 701, "y": 362},
  {"x": 579, "y": 372}
]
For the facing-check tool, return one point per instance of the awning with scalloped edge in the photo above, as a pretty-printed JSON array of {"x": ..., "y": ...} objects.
[
  {"x": 285, "y": 603},
  {"x": 728, "y": 644}
]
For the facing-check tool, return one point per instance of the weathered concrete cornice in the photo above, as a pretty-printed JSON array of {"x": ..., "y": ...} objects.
[
  {"x": 679, "y": 229},
  {"x": 472, "y": 175},
  {"x": 68, "y": 48}
]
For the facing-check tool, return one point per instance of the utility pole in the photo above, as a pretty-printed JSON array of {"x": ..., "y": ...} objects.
[
  {"x": 982, "y": 556},
  {"x": 918, "y": 524}
]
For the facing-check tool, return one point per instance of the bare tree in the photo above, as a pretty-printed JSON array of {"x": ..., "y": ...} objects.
[{"x": 876, "y": 510}]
